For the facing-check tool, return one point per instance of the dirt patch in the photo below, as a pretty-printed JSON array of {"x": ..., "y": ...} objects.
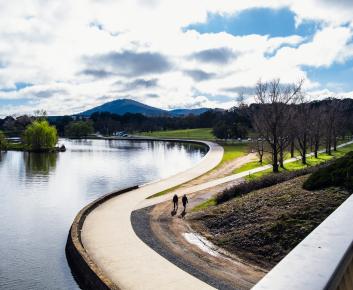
[{"x": 265, "y": 225}]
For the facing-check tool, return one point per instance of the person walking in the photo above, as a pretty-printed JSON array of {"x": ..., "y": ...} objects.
[
  {"x": 184, "y": 201},
  {"x": 175, "y": 202}
]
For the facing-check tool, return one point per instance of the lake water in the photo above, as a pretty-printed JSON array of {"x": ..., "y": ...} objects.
[{"x": 40, "y": 194}]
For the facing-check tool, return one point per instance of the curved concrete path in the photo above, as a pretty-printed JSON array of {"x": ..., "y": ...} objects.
[{"x": 109, "y": 239}]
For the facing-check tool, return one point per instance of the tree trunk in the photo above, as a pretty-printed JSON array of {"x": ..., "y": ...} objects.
[
  {"x": 304, "y": 150},
  {"x": 275, "y": 160},
  {"x": 335, "y": 143},
  {"x": 281, "y": 158},
  {"x": 292, "y": 149},
  {"x": 316, "y": 149}
]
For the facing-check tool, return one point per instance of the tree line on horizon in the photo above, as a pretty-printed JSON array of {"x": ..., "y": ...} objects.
[{"x": 281, "y": 121}]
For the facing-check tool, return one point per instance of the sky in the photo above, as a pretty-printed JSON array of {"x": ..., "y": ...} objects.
[{"x": 68, "y": 56}]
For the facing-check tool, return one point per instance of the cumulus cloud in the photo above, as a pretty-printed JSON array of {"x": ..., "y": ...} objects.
[{"x": 74, "y": 52}]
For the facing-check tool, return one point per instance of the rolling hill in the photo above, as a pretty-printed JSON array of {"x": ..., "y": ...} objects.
[{"x": 123, "y": 106}]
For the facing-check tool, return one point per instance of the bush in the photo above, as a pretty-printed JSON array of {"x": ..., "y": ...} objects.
[
  {"x": 339, "y": 173},
  {"x": 265, "y": 181},
  {"x": 40, "y": 136},
  {"x": 3, "y": 142}
]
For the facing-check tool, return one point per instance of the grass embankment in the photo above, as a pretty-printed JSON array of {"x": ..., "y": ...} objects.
[
  {"x": 264, "y": 225},
  {"x": 296, "y": 165},
  {"x": 196, "y": 134}
]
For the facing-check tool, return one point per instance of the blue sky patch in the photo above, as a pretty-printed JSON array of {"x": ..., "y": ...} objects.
[
  {"x": 262, "y": 21},
  {"x": 18, "y": 86},
  {"x": 337, "y": 77},
  {"x": 14, "y": 102}
]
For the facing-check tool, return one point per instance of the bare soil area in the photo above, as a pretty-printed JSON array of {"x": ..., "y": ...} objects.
[{"x": 263, "y": 226}]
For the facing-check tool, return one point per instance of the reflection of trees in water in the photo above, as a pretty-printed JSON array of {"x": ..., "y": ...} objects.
[
  {"x": 40, "y": 163},
  {"x": 2, "y": 155},
  {"x": 86, "y": 142},
  {"x": 190, "y": 148}
]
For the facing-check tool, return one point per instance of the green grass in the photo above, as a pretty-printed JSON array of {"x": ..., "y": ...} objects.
[
  {"x": 232, "y": 151},
  {"x": 198, "y": 134},
  {"x": 249, "y": 166},
  {"x": 311, "y": 161},
  {"x": 164, "y": 191},
  {"x": 205, "y": 204}
]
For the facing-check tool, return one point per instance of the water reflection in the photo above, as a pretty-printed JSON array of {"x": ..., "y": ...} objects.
[
  {"x": 40, "y": 163},
  {"x": 41, "y": 193}
]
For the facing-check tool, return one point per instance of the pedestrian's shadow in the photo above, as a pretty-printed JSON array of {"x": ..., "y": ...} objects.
[
  {"x": 183, "y": 214},
  {"x": 173, "y": 212}
]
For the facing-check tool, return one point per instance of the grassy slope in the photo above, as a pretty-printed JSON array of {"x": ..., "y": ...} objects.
[
  {"x": 198, "y": 134},
  {"x": 264, "y": 225},
  {"x": 311, "y": 161}
]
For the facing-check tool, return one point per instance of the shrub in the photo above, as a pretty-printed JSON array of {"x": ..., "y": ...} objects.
[
  {"x": 265, "y": 181},
  {"x": 339, "y": 173},
  {"x": 40, "y": 136}
]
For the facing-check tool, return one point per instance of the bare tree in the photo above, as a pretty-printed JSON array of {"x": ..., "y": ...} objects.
[
  {"x": 331, "y": 124},
  {"x": 271, "y": 117},
  {"x": 302, "y": 126},
  {"x": 316, "y": 128},
  {"x": 259, "y": 146}
]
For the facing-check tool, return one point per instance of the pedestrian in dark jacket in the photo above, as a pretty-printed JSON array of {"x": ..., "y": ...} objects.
[
  {"x": 184, "y": 201},
  {"x": 175, "y": 202}
]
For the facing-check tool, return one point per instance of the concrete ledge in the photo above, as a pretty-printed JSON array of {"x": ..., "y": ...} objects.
[{"x": 86, "y": 273}]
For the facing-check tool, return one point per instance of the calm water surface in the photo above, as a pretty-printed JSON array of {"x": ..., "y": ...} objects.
[{"x": 40, "y": 195}]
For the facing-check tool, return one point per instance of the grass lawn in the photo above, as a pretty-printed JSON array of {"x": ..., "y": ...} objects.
[
  {"x": 205, "y": 204},
  {"x": 198, "y": 134},
  {"x": 311, "y": 161},
  {"x": 232, "y": 151},
  {"x": 249, "y": 166}
]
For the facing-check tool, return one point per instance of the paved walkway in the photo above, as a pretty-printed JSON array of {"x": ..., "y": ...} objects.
[{"x": 109, "y": 239}]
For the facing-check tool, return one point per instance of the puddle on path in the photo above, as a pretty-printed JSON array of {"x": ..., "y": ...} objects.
[{"x": 201, "y": 243}]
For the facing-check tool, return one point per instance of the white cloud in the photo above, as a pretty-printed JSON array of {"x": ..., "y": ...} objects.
[{"x": 47, "y": 44}]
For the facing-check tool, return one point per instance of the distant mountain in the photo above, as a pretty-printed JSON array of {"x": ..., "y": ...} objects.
[{"x": 123, "y": 106}]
